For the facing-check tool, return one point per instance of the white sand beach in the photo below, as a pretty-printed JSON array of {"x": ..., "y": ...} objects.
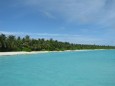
[
  {"x": 37, "y": 52},
  {"x": 22, "y": 52}
]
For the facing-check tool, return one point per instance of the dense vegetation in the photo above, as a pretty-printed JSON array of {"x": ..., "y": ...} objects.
[{"x": 13, "y": 43}]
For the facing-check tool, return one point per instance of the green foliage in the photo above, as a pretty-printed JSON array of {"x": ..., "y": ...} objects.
[
  {"x": 12, "y": 43},
  {"x": 26, "y": 49}
]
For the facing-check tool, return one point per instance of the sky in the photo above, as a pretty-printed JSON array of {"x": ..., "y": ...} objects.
[{"x": 74, "y": 21}]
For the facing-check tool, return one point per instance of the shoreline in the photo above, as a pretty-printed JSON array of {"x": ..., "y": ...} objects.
[
  {"x": 21, "y": 53},
  {"x": 39, "y": 52}
]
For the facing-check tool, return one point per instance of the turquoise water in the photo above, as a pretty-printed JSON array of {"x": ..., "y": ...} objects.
[{"x": 85, "y": 68}]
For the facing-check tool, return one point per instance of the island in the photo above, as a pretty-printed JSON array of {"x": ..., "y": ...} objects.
[{"x": 13, "y": 43}]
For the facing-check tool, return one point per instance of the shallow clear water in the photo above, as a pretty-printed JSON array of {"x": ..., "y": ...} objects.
[{"x": 85, "y": 68}]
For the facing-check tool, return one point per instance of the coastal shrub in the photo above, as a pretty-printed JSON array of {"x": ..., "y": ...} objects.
[{"x": 26, "y": 49}]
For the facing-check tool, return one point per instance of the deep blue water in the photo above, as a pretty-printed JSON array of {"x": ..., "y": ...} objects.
[{"x": 85, "y": 68}]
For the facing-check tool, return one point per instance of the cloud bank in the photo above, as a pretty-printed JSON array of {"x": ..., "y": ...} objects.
[
  {"x": 82, "y": 11},
  {"x": 80, "y": 39}
]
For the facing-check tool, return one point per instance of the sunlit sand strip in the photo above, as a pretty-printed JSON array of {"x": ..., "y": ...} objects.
[
  {"x": 37, "y": 52},
  {"x": 20, "y": 53},
  {"x": 84, "y": 50}
]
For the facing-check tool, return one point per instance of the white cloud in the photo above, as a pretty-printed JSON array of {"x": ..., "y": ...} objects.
[
  {"x": 38, "y": 34},
  {"x": 49, "y": 15},
  {"x": 11, "y": 33},
  {"x": 83, "y": 11}
]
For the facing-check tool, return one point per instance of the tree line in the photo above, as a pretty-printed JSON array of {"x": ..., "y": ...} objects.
[{"x": 13, "y": 43}]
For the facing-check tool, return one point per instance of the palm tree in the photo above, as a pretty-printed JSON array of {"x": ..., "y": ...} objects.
[
  {"x": 12, "y": 42},
  {"x": 3, "y": 44}
]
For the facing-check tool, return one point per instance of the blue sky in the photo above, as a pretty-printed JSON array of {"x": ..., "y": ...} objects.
[{"x": 75, "y": 21}]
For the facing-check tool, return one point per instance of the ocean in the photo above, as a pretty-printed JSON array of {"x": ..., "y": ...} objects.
[{"x": 73, "y": 68}]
